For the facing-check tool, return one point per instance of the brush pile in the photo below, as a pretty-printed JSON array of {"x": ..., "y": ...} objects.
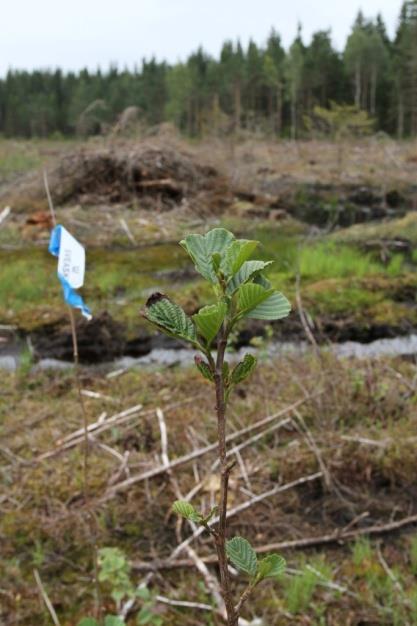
[{"x": 144, "y": 176}]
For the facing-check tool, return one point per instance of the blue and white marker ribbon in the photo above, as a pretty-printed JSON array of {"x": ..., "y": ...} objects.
[{"x": 71, "y": 267}]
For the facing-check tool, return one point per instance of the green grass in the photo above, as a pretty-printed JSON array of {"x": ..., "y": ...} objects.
[
  {"x": 326, "y": 260},
  {"x": 318, "y": 260},
  {"x": 299, "y": 591},
  {"x": 334, "y": 281},
  {"x": 17, "y": 157},
  {"x": 17, "y": 163},
  {"x": 395, "y": 266},
  {"x": 413, "y": 555},
  {"x": 118, "y": 281},
  {"x": 335, "y": 296},
  {"x": 24, "y": 279}
]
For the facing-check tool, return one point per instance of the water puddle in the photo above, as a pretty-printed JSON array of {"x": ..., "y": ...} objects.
[{"x": 163, "y": 357}]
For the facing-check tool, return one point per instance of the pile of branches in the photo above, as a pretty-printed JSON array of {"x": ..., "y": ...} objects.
[{"x": 145, "y": 176}]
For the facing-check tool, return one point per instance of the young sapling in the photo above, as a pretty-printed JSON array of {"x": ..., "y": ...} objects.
[{"x": 241, "y": 291}]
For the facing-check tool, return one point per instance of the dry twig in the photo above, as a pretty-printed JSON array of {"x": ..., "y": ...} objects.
[
  {"x": 46, "y": 599},
  {"x": 200, "y": 452}
]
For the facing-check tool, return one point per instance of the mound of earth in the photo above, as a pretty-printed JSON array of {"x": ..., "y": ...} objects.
[{"x": 149, "y": 176}]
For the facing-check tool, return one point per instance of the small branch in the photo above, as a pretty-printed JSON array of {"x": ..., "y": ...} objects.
[
  {"x": 45, "y": 598},
  {"x": 128, "y": 232},
  {"x": 389, "y": 571},
  {"x": 185, "y": 603},
  {"x": 164, "y": 437},
  {"x": 340, "y": 536},
  {"x": 305, "y": 431},
  {"x": 246, "y": 505},
  {"x": 48, "y": 195},
  {"x": 210, "y": 580},
  {"x": 302, "y": 315},
  {"x": 97, "y": 396},
  {"x": 244, "y": 597},
  {"x": 236, "y": 451},
  {"x": 337, "y": 537},
  {"x": 202, "y": 451},
  {"x": 102, "y": 425},
  {"x": 5, "y": 214}
]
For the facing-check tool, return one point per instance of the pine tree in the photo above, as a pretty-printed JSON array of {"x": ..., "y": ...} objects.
[
  {"x": 294, "y": 75},
  {"x": 405, "y": 64},
  {"x": 273, "y": 79},
  {"x": 232, "y": 66}
]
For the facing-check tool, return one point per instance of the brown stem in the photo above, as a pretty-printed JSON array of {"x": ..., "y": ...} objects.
[
  {"x": 245, "y": 595},
  {"x": 220, "y": 538}
]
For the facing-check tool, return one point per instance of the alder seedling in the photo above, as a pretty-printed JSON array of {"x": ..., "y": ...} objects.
[{"x": 241, "y": 291}]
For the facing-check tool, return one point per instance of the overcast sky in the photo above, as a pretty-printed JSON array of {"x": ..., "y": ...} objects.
[{"x": 72, "y": 34}]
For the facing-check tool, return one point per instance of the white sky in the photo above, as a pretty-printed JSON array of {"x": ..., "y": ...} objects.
[{"x": 72, "y": 34}]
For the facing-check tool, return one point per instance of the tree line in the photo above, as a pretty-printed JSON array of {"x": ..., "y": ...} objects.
[{"x": 254, "y": 88}]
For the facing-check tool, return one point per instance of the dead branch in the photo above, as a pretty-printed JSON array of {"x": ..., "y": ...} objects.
[
  {"x": 157, "y": 471},
  {"x": 45, "y": 598},
  {"x": 337, "y": 537},
  {"x": 246, "y": 505},
  {"x": 4, "y": 214},
  {"x": 210, "y": 580}
]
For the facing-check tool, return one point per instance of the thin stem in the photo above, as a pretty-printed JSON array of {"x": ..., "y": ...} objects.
[
  {"x": 81, "y": 401},
  {"x": 86, "y": 488},
  {"x": 245, "y": 595},
  {"x": 232, "y": 616},
  {"x": 85, "y": 423}
]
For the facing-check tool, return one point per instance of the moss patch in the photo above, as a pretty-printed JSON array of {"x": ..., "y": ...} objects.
[{"x": 403, "y": 228}]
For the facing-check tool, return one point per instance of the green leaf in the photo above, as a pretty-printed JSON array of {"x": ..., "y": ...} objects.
[
  {"x": 143, "y": 593},
  {"x": 250, "y": 296},
  {"x": 118, "y": 594},
  {"x": 170, "y": 318},
  {"x": 202, "y": 249},
  {"x": 216, "y": 260},
  {"x": 236, "y": 254},
  {"x": 185, "y": 509},
  {"x": 270, "y": 567},
  {"x": 113, "y": 620},
  {"x": 275, "y": 307},
  {"x": 263, "y": 304},
  {"x": 260, "y": 279},
  {"x": 209, "y": 320},
  {"x": 145, "y": 616},
  {"x": 243, "y": 369},
  {"x": 88, "y": 621},
  {"x": 204, "y": 368},
  {"x": 245, "y": 273},
  {"x": 242, "y": 555}
]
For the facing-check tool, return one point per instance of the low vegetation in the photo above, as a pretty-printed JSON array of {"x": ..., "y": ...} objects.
[{"x": 360, "y": 417}]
